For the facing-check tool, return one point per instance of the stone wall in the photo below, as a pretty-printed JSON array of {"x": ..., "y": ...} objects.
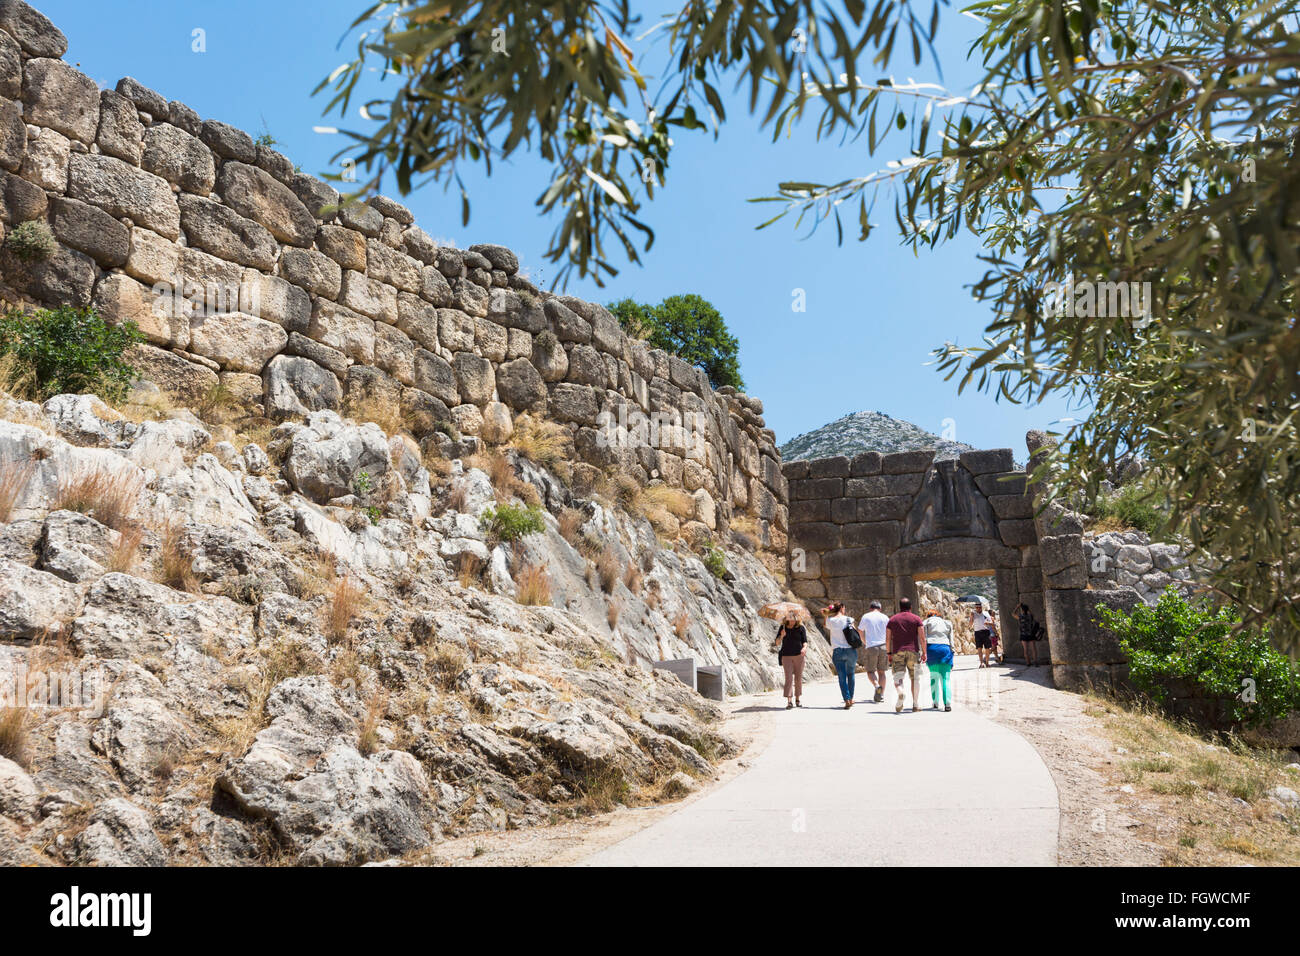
[
  {"x": 1131, "y": 559},
  {"x": 873, "y": 526},
  {"x": 244, "y": 272}
]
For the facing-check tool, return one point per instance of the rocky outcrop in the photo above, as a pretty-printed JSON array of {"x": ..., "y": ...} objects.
[{"x": 314, "y": 651}]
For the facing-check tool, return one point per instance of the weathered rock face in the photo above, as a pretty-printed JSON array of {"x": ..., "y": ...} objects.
[
  {"x": 149, "y": 202},
  {"x": 215, "y": 703}
]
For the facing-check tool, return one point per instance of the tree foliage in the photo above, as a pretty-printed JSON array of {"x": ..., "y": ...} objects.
[
  {"x": 1111, "y": 141},
  {"x": 690, "y": 327},
  {"x": 1195, "y": 642},
  {"x": 481, "y": 79}
]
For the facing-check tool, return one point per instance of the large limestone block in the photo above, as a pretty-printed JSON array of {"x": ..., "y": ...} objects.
[
  {"x": 61, "y": 98},
  {"x": 345, "y": 246},
  {"x": 257, "y": 195},
  {"x": 419, "y": 320},
  {"x": 65, "y": 278},
  {"x": 360, "y": 293},
  {"x": 392, "y": 267},
  {"x": 226, "y": 234},
  {"x": 89, "y": 229},
  {"x": 179, "y": 158},
  {"x": 152, "y": 258},
  {"x": 344, "y": 330},
  {"x": 311, "y": 270},
  {"x": 120, "y": 130},
  {"x": 297, "y": 386},
  {"x": 13, "y": 134},
  {"x": 395, "y": 353},
  {"x": 520, "y": 385},
  {"x": 32, "y": 29},
  {"x": 474, "y": 378},
  {"x": 119, "y": 298},
  {"x": 11, "y": 67},
  {"x": 238, "y": 342},
  {"x": 123, "y": 190},
  {"x": 46, "y": 160},
  {"x": 434, "y": 375}
]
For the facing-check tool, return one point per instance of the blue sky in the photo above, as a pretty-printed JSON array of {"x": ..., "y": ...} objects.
[{"x": 874, "y": 309}]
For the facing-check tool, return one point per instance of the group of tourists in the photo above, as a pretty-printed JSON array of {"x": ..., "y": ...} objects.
[{"x": 900, "y": 644}]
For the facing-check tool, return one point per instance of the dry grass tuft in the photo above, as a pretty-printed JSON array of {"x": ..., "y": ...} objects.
[
  {"x": 632, "y": 578},
  {"x": 345, "y": 602},
  {"x": 384, "y": 412},
  {"x": 533, "y": 585},
  {"x": 626, "y": 492},
  {"x": 540, "y": 441},
  {"x": 681, "y": 625},
  {"x": 14, "y": 738},
  {"x": 446, "y": 663},
  {"x": 315, "y": 574},
  {"x": 608, "y": 569},
  {"x": 469, "y": 570},
  {"x": 16, "y": 378},
  {"x": 110, "y": 497},
  {"x": 368, "y": 735},
  {"x": 124, "y": 554},
  {"x": 217, "y": 404},
  {"x": 1218, "y": 796},
  {"x": 457, "y": 498},
  {"x": 612, "y": 611},
  {"x": 14, "y": 477},
  {"x": 175, "y": 563},
  {"x": 571, "y": 521},
  {"x": 675, "y": 501}
]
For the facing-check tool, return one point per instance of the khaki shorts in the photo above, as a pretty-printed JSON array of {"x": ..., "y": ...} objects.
[
  {"x": 874, "y": 658},
  {"x": 905, "y": 662}
]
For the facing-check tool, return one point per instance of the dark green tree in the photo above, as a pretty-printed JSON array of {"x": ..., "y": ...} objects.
[{"x": 689, "y": 327}]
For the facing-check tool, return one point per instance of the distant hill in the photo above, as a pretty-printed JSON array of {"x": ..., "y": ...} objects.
[{"x": 867, "y": 431}]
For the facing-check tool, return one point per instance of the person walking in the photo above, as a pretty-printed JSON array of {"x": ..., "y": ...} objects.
[
  {"x": 843, "y": 654},
  {"x": 982, "y": 621},
  {"x": 793, "y": 640},
  {"x": 872, "y": 626},
  {"x": 938, "y": 658},
  {"x": 904, "y": 651},
  {"x": 1031, "y": 632}
]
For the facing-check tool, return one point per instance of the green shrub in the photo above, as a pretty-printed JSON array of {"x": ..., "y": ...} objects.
[
  {"x": 1197, "y": 642},
  {"x": 1132, "y": 505},
  {"x": 716, "y": 562},
  {"x": 31, "y": 241},
  {"x": 510, "y": 523},
  {"x": 70, "y": 350}
]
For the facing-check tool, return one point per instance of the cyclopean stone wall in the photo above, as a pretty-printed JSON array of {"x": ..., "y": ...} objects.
[{"x": 239, "y": 273}]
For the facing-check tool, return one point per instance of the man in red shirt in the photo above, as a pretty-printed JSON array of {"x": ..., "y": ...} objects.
[{"x": 903, "y": 649}]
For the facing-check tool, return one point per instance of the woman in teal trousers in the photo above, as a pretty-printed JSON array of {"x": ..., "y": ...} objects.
[{"x": 938, "y": 658}]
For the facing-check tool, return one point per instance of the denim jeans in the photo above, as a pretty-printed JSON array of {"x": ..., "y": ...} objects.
[{"x": 845, "y": 660}]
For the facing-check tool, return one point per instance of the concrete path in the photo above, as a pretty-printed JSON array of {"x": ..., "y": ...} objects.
[{"x": 869, "y": 787}]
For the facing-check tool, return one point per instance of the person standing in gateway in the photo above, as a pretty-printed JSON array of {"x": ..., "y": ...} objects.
[
  {"x": 905, "y": 651},
  {"x": 874, "y": 659}
]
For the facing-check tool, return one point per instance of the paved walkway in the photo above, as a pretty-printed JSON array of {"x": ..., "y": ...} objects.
[{"x": 869, "y": 787}]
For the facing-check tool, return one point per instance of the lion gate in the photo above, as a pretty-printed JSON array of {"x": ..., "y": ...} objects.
[{"x": 869, "y": 527}]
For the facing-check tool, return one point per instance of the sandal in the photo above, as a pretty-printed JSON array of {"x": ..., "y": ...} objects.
[{"x": 788, "y": 704}]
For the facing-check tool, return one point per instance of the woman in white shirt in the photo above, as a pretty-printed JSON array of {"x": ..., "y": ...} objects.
[
  {"x": 844, "y": 657},
  {"x": 938, "y": 658}
]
